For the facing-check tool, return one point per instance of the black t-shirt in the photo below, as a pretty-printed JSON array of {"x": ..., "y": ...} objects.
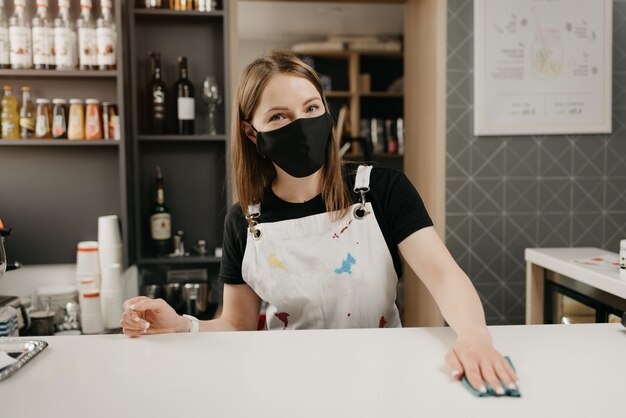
[{"x": 397, "y": 205}]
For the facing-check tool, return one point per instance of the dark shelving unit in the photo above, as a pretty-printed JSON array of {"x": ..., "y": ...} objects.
[
  {"x": 194, "y": 167},
  {"x": 54, "y": 190}
]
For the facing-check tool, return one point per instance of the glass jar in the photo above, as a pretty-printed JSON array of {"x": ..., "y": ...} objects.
[
  {"x": 76, "y": 123},
  {"x": 93, "y": 120},
  {"x": 110, "y": 121},
  {"x": 59, "y": 118},
  {"x": 43, "y": 124}
]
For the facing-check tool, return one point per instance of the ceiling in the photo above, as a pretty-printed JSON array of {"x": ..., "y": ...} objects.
[{"x": 273, "y": 20}]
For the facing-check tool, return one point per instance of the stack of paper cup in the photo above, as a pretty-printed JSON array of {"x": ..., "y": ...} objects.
[
  {"x": 87, "y": 265},
  {"x": 109, "y": 240},
  {"x": 91, "y": 312},
  {"x": 112, "y": 295}
]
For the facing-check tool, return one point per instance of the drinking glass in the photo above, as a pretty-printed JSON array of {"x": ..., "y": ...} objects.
[{"x": 212, "y": 97}]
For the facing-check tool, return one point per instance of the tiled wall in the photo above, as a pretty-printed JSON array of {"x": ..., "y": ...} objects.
[{"x": 504, "y": 194}]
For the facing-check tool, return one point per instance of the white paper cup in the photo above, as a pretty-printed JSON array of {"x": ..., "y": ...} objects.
[
  {"x": 112, "y": 308},
  {"x": 109, "y": 231},
  {"x": 91, "y": 312},
  {"x": 87, "y": 261},
  {"x": 112, "y": 277}
]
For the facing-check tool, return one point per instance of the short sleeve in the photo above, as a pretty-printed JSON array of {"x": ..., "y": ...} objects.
[
  {"x": 233, "y": 247},
  {"x": 403, "y": 209}
]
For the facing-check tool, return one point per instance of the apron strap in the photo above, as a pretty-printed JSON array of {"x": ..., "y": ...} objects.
[
  {"x": 362, "y": 181},
  {"x": 254, "y": 211},
  {"x": 362, "y": 186}
]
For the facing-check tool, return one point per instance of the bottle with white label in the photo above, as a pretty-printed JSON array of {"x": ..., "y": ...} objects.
[
  {"x": 106, "y": 37},
  {"x": 161, "y": 221},
  {"x": 4, "y": 38},
  {"x": 65, "y": 39},
  {"x": 87, "y": 41},
  {"x": 43, "y": 38},
  {"x": 185, "y": 106},
  {"x": 20, "y": 41}
]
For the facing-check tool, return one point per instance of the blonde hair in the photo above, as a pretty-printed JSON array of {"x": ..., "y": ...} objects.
[{"x": 253, "y": 173}]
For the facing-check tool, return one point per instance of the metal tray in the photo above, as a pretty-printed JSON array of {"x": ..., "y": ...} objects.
[{"x": 23, "y": 350}]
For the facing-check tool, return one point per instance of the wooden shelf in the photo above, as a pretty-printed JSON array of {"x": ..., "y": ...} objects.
[
  {"x": 177, "y": 138},
  {"x": 383, "y": 94},
  {"x": 391, "y": 54},
  {"x": 179, "y": 14},
  {"x": 180, "y": 260},
  {"x": 345, "y": 94},
  {"x": 59, "y": 73},
  {"x": 58, "y": 143},
  {"x": 320, "y": 53}
]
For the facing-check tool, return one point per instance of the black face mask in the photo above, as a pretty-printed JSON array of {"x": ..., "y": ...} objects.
[{"x": 299, "y": 148}]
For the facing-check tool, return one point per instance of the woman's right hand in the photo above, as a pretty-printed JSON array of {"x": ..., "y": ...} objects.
[{"x": 143, "y": 316}]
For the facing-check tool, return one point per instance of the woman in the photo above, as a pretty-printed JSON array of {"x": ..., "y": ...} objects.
[{"x": 318, "y": 241}]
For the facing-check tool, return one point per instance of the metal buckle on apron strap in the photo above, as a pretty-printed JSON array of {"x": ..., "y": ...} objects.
[
  {"x": 251, "y": 218},
  {"x": 359, "y": 211}
]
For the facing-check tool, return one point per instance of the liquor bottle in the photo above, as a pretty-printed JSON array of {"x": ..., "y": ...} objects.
[
  {"x": 161, "y": 220},
  {"x": 181, "y": 5},
  {"x": 157, "y": 97},
  {"x": 20, "y": 40},
  {"x": 9, "y": 117},
  {"x": 65, "y": 39},
  {"x": 106, "y": 36},
  {"x": 4, "y": 38},
  {"x": 86, "y": 38},
  {"x": 43, "y": 38},
  {"x": 27, "y": 114},
  {"x": 185, "y": 109}
]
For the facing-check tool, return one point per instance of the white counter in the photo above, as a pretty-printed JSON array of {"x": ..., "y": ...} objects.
[
  {"x": 561, "y": 260},
  {"x": 565, "y": 370}
]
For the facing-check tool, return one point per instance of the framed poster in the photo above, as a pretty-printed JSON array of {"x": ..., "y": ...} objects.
[{"x": 542, "y": 66}]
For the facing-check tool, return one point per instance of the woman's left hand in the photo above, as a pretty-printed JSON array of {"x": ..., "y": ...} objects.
[{"x": 475, "y": 356}]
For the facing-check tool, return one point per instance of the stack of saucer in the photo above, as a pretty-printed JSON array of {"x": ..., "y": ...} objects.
[{"x": 55, "y": 298}]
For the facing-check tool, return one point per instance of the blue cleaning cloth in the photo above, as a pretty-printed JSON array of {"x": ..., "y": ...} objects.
[{"x": 490, "y": 392}]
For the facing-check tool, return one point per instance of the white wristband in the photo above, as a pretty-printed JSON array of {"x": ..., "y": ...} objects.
[{"x": 193, "y": 322}]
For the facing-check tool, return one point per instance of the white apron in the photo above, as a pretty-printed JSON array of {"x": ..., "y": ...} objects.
[{"x": 315, "y": 273}]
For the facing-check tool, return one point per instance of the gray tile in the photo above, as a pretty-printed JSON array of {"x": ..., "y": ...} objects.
[
  {"x": 616, "y": 194},
  {"x": 589, "y": 154},
  {"x": 616, "y": 155},
  {"x": 487, "y": 157},
  {"x": 459, "y": 88},
  {"x": 521, "y": 195},
  {"x": 487, "y": 195},
  {"x": 520, "y": 232},
  {"x": 587, "y": 230},
  {"x": 619, "y": 88},
  {"x": 555, "y": 157},
  {"x": 614, "y": 230},
  {"x": 554, "y": 230},
  {"x": 555, "y": 195},
  {"x": 588, "y": 194},
  {"x": 522, "y": 158},
  {"x": 457, "y": 196}
]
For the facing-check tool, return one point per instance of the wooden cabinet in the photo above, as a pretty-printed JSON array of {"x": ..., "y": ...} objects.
[{"x": 361, "y": 81}]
